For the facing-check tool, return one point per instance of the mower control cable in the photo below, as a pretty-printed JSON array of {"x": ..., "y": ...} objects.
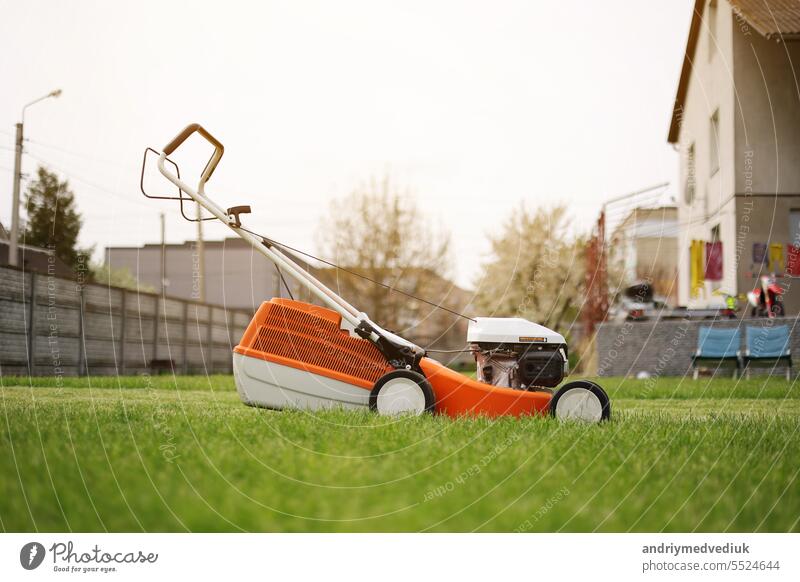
[
  {"x": 270, "y": 241},
  {"x": 285, "y": 284}
]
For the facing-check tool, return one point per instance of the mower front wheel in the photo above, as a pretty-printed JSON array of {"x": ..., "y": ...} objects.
[
  {"x": 582, "y": 401},
  {"x": 402, "y": 392}
]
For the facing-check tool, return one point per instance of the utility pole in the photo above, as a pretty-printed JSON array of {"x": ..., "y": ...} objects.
[
  {"x": 163, "y": 257},
  {"x": 595, "y": 306},
  {"x": 12, "y": 244},
  {"x": 17, "y": 177}
]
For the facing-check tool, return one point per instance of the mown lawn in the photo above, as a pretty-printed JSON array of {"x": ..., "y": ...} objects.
[{"x": 176, "y": 454}]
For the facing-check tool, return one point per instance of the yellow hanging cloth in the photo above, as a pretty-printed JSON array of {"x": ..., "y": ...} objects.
[
  {"x": 696, "y": 260},
  {"x": 776, "y": 264}
]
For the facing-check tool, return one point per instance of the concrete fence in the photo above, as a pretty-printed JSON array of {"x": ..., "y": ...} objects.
[
  {"x": 665, "y": 348},
  {"x": 53, "y": 326}
]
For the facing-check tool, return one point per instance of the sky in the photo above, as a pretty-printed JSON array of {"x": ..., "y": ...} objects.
[{"x": 474, "y": 107}]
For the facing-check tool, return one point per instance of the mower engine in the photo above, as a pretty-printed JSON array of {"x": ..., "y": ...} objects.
[{"x": 515, "y": 353}]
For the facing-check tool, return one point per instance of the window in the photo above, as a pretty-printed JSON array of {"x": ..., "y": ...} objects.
[
  {"x": 711, "y": 23},
  {"x": 688, "y": 189},
  {"x": 713, "y": 142}
]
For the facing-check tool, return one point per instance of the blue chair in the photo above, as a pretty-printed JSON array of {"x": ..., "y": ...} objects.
[
  {"x": 717, "y": 346},
  {"x": 768, "y": 345}
]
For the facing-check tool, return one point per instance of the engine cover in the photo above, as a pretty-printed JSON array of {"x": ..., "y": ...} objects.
[
  {"x": 511, "y": 330},
  {"x": 516, "y": 353}
]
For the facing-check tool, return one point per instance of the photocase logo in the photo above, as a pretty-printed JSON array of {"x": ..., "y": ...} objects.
[{"x": 31, "y": 555}]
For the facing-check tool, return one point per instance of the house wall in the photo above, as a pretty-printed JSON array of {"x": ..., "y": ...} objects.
[
  {"x": 767, "y": 140},
  {"x": 710, "y": 89},
  {"x": 767, "y": 119},
  {"x": 765, "y": 219},
  {"x": 657, "y": 260},
  {"x": 644, "y": 246},
  {"x": 751, "y": 80}
]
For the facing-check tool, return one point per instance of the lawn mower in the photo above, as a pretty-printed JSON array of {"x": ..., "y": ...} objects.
[{"x": 312, "y": 356}]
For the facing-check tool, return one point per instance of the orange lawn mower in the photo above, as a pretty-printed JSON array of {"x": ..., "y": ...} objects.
[{"x": 306, "y": 356}]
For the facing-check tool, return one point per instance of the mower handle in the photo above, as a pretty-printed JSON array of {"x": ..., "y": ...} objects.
[{"x": 219, "y": 149}]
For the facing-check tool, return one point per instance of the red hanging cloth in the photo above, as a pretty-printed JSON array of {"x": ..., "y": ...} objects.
[
  {"x": 793, "y": 260},
  {"x": 714, "y": 261}
]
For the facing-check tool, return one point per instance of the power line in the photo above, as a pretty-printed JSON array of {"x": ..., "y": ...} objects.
[
  {"x": 335, "y": 266},
  {"x": 90, "y": 183},
  {"x": 78, "y": 154}
]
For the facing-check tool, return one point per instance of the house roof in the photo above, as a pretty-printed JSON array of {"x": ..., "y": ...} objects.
[
  {"x": 770, "y": 18},
  {"x": 662, "y": 213},
  {"x": 30, "y": 258}
]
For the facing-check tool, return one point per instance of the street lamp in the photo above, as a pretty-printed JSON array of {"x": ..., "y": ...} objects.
[{"x": 14, "y": 235}]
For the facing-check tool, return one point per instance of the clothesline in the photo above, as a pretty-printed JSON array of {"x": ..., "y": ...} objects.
[{"x": 706, "y": 261}]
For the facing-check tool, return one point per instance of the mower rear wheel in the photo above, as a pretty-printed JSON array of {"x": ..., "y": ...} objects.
[
  {"x": 402, "y": 392},
  {"x": 582, "y": 401}
]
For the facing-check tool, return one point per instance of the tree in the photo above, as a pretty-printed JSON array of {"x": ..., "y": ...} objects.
[
  {"x": 104, "y": 274},
  {"x": 53, "y": 221},
  {"x": 379, "y": 232},
  {"x": 536, "y": 270}
]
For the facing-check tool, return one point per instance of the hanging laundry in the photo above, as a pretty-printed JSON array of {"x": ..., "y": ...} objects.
[
  {"x": 714, "y": 261},
  {"x": 696, "y": 256},
  {"x": 776, "y": 263},
  {"x": 793, "y": 260},
  {"x": 759, "y": 254}
]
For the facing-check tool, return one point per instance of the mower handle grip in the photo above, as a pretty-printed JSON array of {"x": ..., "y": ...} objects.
[{"x": 219, "y": 149}]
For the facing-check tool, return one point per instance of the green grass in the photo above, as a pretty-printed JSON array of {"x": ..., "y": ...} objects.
[{"x": 177, "y": 454}]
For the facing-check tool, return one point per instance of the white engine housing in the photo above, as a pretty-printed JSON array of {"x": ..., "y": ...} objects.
[
  {"x": 516, "y": 353},
  {"x": 510, "y": 330}
]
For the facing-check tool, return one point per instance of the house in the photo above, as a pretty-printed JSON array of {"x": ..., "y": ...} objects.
[
  {"x": 644, "y": 247},
  {"x": 31, "y": 258},
  {"x": 736, "y": 125},
  {"x": 233, "y": 274}
]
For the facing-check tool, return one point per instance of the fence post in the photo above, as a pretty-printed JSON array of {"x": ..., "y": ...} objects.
[
  {"x": 185, "y": 351},
  {"x": 31, "y": 325},
  {"x": 155, "y": 335},
  {"x": 81, "y": 338},
  {"x": 123, "y": 331},
  {"x": 231, "y": 331},
  {"x": 210, "y": 336}
]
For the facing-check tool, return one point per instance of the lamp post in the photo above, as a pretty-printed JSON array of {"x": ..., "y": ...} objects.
[{"x": 14, "y": 235}]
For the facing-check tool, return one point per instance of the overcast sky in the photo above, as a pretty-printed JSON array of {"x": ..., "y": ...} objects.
[{"x": 475, "y": 106}]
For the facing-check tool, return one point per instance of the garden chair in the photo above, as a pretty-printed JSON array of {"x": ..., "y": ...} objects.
[
  {"x": 717, "y": 346},
  {"x": 768, "y": 345}
]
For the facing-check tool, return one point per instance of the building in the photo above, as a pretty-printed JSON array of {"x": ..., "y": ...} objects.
[
  {"x": 736, "y": 124},
  {"x": 644, "y": 247},
  {"x": 234, "y": 274},
  {"x": 30, "y": 258},
  {"x": 37, "y": 259}
]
